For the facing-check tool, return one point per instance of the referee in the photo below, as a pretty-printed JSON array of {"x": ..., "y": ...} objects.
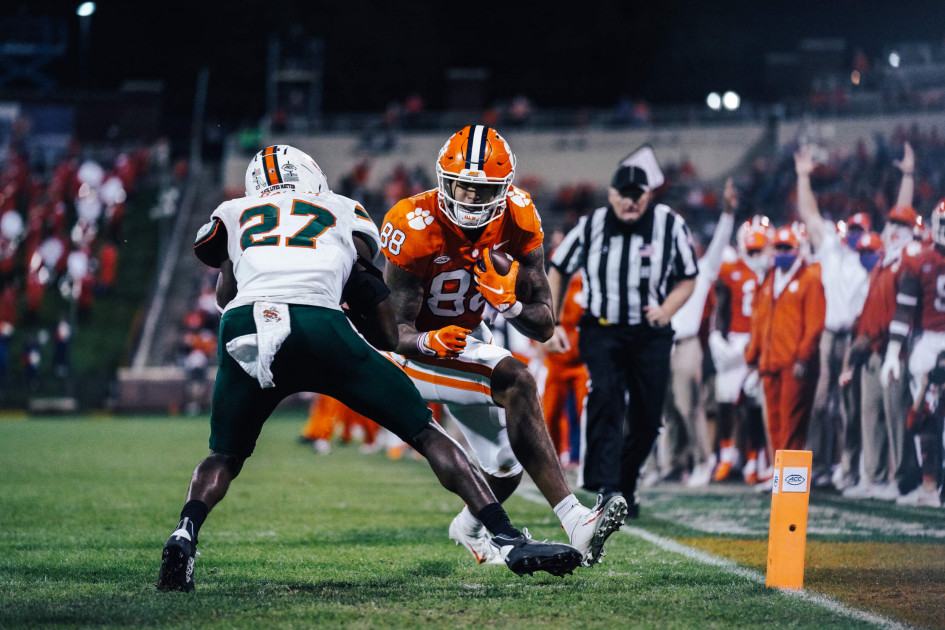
[{"x": 639, "y": 268}]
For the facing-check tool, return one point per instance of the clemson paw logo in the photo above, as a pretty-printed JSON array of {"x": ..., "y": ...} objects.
[
  {"x": 518, "y": 197},
  {"x": 419, "y": 219},
  {"x": 272, "y": 315}
]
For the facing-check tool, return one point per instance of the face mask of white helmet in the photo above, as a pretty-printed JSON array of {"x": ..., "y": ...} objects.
[
  {"x": 895, "y": 237},
  {"x": 759, "y": 264}
]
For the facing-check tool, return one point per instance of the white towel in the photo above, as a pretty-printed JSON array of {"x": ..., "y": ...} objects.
[{"x": 255, "y": 352}]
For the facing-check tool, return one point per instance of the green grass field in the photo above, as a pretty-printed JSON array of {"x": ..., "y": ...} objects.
[{"x": 356, "y": 541}]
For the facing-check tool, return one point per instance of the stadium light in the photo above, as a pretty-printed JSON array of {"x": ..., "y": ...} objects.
[
  {"x": 731, "y": 101},
  {"x": 714, "y": 101},
  {"x": 84, "y": 11},
  {"x": 894, "y": 59}
]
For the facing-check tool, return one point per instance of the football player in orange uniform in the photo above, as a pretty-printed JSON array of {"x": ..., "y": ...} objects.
[
  {"x": 736, "y": 287},
  {"x": 920, "y": 306},
  {"x": 440, "y": 246},
  {"x": 920, "y": 310}
]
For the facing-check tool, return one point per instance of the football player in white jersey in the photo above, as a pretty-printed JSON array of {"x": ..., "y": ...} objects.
[{"x": 290, "y": 252}]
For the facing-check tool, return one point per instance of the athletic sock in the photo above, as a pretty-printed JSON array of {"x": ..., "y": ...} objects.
[
  {"x": 192, "y": 517},
  {"x": 494, "y": 517},
  {"x": 566, "y": 505}
]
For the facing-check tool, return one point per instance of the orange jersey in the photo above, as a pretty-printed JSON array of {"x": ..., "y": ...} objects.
[
  {"x": 787, "y": 328},
  {"x": 417, "y": 237},
  {"x": 927, "y": 266},
  {"x": 880, "y": 305},
  {"x": 571, "y": 310},
  {"x": 741, "y": 283}
]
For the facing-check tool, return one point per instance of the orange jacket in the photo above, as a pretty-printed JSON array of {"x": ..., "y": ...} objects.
[{"x": 787, "y": 328}]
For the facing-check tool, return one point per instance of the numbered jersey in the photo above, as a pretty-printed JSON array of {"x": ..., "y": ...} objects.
[
  {"x": 927, "y": 265},
  {"x": 418, "y": 238},
  {"x": 290, "y": 247},
  {"x": 741, "y": 283}
]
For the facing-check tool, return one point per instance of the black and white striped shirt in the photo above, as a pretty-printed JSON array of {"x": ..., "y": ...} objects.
[{"x": 627, "y": 266}]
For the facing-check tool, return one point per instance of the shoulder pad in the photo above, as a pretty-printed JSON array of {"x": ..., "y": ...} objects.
[{"x": 913, "y": 248}]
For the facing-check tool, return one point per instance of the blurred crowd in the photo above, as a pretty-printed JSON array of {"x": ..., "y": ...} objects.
[{"x": 61, "y": 225}]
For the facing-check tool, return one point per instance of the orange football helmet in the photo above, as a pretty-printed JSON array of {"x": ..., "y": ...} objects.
[{"x": 477, "y": 160}]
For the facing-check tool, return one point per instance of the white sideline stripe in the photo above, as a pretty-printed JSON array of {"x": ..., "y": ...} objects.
[{"x": 531, "y": 493}]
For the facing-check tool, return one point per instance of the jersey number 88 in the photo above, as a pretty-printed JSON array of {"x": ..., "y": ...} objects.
[{"x": 392, "y": 239}]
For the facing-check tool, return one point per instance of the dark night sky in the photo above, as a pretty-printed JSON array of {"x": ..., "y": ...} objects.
[{"x": 583, "y": 53}]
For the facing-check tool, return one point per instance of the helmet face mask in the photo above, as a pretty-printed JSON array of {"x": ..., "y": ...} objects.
[
  {"x": 474, "y": 172},
  {"x": 281, "y": 167},
  {"x": 937, "y": 224}
]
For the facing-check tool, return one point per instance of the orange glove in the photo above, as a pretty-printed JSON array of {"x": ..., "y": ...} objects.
[
  {"x": 445, "y": 342},
  {"x": 498, "y": 290}
]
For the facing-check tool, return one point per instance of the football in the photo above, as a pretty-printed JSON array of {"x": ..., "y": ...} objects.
[{"x": 500, "y": 260}]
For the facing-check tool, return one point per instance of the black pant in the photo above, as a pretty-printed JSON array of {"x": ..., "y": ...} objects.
[{"x": 621, "y": 429}]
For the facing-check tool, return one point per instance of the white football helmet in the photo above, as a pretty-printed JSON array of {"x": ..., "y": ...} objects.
[
  {"x": 757, "y": 223},
  {"x": 938, "y": 223},
  {"x": 476, "y": 157},
  {"x": 284, "y": 167}
]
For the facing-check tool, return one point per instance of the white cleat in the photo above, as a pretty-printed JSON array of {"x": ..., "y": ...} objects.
[
  {"x": 921, "y": 497},
  {"x": 477, "y": 542},
  {"x": 589, "y": 529},
  {"x": 701, "y": 475}
]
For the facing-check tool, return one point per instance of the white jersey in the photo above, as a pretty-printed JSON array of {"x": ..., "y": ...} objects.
[{"x": 292, "y": 247}]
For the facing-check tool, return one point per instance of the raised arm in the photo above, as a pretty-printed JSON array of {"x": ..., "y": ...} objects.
[
  {"x": 711, "y": 261},
  {"x": 806, "y": 202},
  {"x": 907, "y": 186}
]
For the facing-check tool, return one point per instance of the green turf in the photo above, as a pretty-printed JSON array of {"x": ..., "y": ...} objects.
[{"x": 307, "y": 541}]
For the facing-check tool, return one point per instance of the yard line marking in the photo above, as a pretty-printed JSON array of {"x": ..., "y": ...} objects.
[{"x": 530, "y": 492}]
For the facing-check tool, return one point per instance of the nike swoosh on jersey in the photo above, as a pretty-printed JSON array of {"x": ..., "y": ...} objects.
[{"x": 496, "y": 247}]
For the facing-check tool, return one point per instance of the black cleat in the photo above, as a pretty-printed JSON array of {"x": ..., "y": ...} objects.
[
  {"x": 524, "y": 556},
  {"x": 177, "y": 563}
]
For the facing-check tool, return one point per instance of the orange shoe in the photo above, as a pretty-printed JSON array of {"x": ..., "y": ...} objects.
[{"x": 722, "y": 471}]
